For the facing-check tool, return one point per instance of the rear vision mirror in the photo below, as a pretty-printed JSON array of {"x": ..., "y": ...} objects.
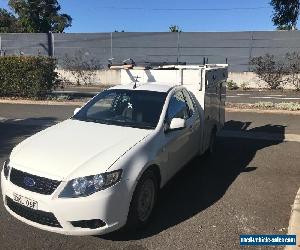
[{"x": 176, "y": 124}]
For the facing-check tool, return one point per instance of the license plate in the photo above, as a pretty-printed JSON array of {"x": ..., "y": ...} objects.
[{"x": 25, "y": 201}]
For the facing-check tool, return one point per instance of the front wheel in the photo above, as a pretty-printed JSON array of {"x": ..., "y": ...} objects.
[{"x": 143, "y": 201}]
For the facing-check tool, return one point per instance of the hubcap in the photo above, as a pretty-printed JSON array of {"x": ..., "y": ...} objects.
[{"x": 146, "y": 200}]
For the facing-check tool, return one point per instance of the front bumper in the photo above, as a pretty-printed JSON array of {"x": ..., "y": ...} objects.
[{"x": 110, "y": 206}]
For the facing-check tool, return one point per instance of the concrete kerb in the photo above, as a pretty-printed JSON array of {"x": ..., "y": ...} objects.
[{"x": 294, "y": 224}]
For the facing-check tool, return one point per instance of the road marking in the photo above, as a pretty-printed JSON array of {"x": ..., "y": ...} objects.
[
  {"x": 243, "y": 94},
  {"x": 288, "y": 98},
  {"x": 260, "y": 135},
  {"x": 28, "y": 121},
  {"x": 261, "y": 97},
  {"x": 276, "y": 98}
]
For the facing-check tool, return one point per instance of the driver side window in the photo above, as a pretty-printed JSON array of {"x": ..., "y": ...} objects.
[{"x": 177, "y": 107}]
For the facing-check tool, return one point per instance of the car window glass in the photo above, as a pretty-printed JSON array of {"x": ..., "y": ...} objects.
[
  {"x": 102, "y": 105},
  {"x": 177, "y": 107},
  {"x": 189, "y": 102},
  {"x": 134, "y": 108}
]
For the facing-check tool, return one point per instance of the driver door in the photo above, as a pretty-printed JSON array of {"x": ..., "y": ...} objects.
[{"x": 176, "y": 141}]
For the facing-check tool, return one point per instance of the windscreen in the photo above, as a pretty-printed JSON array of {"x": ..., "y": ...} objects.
[{"x": 132, "y": 108}]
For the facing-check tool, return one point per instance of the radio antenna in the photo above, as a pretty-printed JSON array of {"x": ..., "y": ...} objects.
[{"x": 135, "y": 81}]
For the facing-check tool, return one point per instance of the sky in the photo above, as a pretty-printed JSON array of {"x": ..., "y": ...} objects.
[{"x": 158, "y": 15}]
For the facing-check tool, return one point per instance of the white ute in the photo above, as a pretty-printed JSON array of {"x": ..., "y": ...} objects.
[{"x": 102, "y": 168}]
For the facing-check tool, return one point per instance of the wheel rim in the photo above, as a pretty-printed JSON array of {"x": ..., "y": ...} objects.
[{"x": 146, "y": 199}]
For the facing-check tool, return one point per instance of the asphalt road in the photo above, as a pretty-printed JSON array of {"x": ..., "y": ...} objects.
[
  {"x": 247, "y": 187},
  {"x": 262, "y": 96}
]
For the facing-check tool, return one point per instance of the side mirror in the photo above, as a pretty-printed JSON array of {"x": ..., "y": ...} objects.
[
  {"x": 76, "y": 111},
  {"x": 176, "y": 124}
]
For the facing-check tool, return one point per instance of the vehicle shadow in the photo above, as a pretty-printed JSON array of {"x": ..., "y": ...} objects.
[
  {"x": 203, "y": 181},
  {"x": 12, "y": 132}
]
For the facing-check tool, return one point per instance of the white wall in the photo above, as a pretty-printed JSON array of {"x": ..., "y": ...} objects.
[
  {"x": 98, "y": 77},
  {"x": 251, "y": 80},
  {"x": 121, "y": 76}
]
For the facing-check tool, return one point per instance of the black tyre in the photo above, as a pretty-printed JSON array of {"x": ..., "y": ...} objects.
[{"x": 143, "y": 201}]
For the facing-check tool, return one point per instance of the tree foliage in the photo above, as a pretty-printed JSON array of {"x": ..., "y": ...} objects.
[
  {"x": 81, "y": 67},
  {"x": 174, "y": 28},
  {"x": 278, "y": 71},
  {"x": 293, "y": 69},
  {"x": 285, "y": 14},
  {"x": 8, "y": 22},
  {"x": 35, "y": 16},
  {"x": 27, "y": 76},
  {"x": 269, "y": 69}
]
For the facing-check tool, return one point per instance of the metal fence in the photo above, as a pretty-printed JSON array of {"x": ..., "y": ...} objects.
[{"x": 189, "y": 47}]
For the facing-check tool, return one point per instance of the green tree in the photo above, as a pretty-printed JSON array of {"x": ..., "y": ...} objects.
[
  {"x": 174, "y": 28},
  {"x": 285, "y": 14},
  {"x": 37, "y": 16},
  {"x": 8, "y": 22}
]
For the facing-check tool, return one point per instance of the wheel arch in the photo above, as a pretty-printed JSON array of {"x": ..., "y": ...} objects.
[{"x": 156, "y": 170}]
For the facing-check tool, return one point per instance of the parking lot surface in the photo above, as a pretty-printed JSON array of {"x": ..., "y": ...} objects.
[
  {"x": 253, "y": 96},
  {"x": 247, "y": 187}
]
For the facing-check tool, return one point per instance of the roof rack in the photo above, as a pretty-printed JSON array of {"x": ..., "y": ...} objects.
[{"x": 131, "y": 64}]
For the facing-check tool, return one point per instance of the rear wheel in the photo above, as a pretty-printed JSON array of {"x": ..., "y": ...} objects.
[{"x": 143, "y": 201}]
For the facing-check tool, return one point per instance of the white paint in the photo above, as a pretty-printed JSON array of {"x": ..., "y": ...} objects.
[
  {"x": 264, "y": 97},
  {"x": 74, "y": 144},
  {"x": 276, "y": 98},
  {"x": 292, "y": 137}
]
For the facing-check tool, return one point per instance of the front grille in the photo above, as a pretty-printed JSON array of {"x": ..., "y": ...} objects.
[
  {"x": 40, "y": 217},
  {"x": 38, "y": 184}
]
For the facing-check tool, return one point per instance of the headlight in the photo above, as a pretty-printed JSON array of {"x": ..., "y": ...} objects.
[
  {"x": 85, "y": 186},
  {"x": 6, "y": 168}
]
